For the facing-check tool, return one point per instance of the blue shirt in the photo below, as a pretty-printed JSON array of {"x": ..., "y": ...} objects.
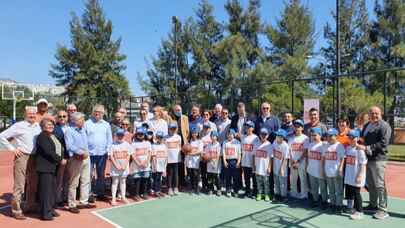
[
  {"x": 196, "y": 123},
  {"x": 76, "y": 141},
  {"x": 99, "y": 136}
]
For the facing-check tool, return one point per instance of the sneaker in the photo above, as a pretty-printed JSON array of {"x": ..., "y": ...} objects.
[
  {"x": 74, "y": 210},
  {"x": 113, "y": 203},
  {"x": 55, "y": 214},
  {"x": 356, "y": 215},
  {"x": 92, "y": 199},
  {"x": 86, "y": 206},
  {"x": 266, "y": 198},
  {"x": 349, "y": 211},
  {"x": 338, "y": 209},
  {"x": 324, "y": 206},
  {"x": 284, "y": 199},
  {"x": 176, "y": 191},
  {"x": 258, "y": 197},
  {"x": 209, "y": 192},
  {"x": 125, "y": 200},
  {"x": 380, "y": 214},
  {"x": 370, "y": 208},
  {"x": 19, "y": 216},
  {"x": 170, "y": 193},
  {"x": 228, "y": 194},
  {"x": 219, "y": 193}
]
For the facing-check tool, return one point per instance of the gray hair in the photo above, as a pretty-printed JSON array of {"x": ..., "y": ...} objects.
[
  {"x": 77, "y": 116},
  {"x": 98, "y": 107}
]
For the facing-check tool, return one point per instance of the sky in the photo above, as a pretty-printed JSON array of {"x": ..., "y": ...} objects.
[{"x": 31, "y": 30}]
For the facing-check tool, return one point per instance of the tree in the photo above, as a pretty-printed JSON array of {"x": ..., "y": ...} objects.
[{"x": 92, "y": 68}]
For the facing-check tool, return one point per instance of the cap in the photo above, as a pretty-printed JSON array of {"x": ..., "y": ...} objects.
[
  {"x": 140, "y": 130},
  {"x": 194, "y": 130},
  {"x": 298, "y": 122},
  {"x": 332, "y": 132},
  {"x": 120, "y": 132},
  {"x": 231, "y": 132},
  {"x": 281, "y": 132},
  {"x": 42, "y": 100},
  {"x": 160, "y": 134},
  {"x": 316, "y": 130},
  {"x": 214, "y": 133},
  {"x": 264, "y": 131},
  {"x": 250, "y": 123},
  {"x": 172, "y": 125},
  {"x": 207, "y": 125},
  {"x": 354, "y": 133}
]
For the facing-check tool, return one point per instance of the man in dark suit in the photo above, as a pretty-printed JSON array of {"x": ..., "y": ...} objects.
[
  {"x": 239, "y": 119},
  {"x": 376, "y": 135},
  {"x": 62, "y": 174},
  {"x": 268, "y": 121}
]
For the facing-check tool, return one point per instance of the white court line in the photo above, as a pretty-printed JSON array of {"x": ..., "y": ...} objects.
[{"x": 106, "y": 219}]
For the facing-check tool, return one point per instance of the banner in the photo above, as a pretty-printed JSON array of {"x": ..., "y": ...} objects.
[{"x": 308, "y": 104}]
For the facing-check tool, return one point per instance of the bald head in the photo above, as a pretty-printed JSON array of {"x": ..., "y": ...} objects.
[{"x": 374, "y": 114}]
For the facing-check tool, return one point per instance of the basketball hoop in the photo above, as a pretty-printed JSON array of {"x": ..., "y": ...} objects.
[{"x": 16, "y": 93}]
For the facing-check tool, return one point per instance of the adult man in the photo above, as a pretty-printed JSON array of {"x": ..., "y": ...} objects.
[
  {"x": 116, "y": 122},
  {"x": 217, "y": 115},
  {"x": 238, "y": 121},
  {"x": 145, "y": 106},
  {"x": 287, "y": 124},
  {"x": 78, "y": 164},
  {"x": 123, "y": 112},
  {"x": 223, "y": 125},
  {"x": 62, "y": 174},
  {"x": 195, "y": 120},
  {"x": 266, "y": 120},
  {"x": 23, "y": 133},
  {"x": 376, "y": 134},
  {"x": 100, "y": 139},
  {"x": 71, "y": 108},
  {"x": 182, "y": 122},
  {"x": 42, "y": 110},
  {"x": 314, "y": 122}
]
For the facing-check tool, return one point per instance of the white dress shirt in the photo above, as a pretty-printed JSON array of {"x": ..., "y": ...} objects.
[{"x": 24, "y": 135}]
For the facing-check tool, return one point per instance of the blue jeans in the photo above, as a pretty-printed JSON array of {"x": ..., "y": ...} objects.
[
  {"x": 232, "y": 176},
  {"x": 98, "y": 184}
]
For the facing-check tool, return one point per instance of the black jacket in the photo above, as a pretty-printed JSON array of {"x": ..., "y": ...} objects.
[
  {"x": 234, "y": 122},
  {"x": 377, "y": 138},
  {"x": 46, "y": 158}
]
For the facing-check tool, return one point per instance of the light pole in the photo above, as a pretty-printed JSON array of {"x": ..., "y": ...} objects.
[
  {"x": 337, "y": 61},
  {"x": 175, "y": 22}
]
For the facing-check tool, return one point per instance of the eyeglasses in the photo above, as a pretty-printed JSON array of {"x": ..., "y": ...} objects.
[
  {"x": 225, "y": 113},
  {"x": 62, "y": 116},
  {"x": 72, "y": 110},
  {"x": 124, "y": 124},
  {"x": 314, "y": 135},
  {"x": 265, "y": 108}
]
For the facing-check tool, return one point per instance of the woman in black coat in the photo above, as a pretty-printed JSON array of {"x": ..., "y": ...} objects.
[{"x": 48, "y": 156}]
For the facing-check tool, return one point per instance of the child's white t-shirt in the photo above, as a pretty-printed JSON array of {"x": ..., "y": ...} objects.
[
  {"x": 121, "y": 152},
  {"x": 298, "y": 144},
  {"x": 173, "y": 144},
  {"x": 206, "y": 140},
  {"x": 159, "y": 151},
  {"x": 333, "y": 155},
  {"x": 248, "y": 144},
  {"x": 280, "y": 151},
  {"x": 262, "y": 156},
  {"x": 231, "y": 149},
  {"x": 193, "y": 161},
  {"x": 315, "y": 151},
  {"x": 141, "y": 152},
  {"x": 213, "y": 153},
  {"x": 354, "y": 159}
]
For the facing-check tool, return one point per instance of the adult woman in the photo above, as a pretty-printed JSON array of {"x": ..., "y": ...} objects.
[
  {"x": 128, "y": 131},
  {"x": 142, "y": 120},
  {"x": 48, "y": 155},
  {"x": 158, "y": 123},
  {"x": 206, "y": 115},
  {"x": 361, "y": 120}
]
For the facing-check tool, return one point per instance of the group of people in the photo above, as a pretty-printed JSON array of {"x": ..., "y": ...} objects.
[{"x": 62, "y": 159}]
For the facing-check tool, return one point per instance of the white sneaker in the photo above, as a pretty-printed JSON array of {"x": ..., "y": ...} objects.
[
  {"x": 170, "y": 193},
  {"x": 356, "y": 215},
  {"x": 176, "y": 191}
]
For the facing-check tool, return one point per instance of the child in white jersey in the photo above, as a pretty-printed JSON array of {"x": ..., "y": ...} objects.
[
  {"x": 280, "y": 151},
  {"x": 211, "y": 154},
  {"x": 173, "y": 143},
  {"x": 192, "y": 160},
  {"x": 231, "y": 151},
  {"x": 333, "y": 160},
  {"x": 249, "y": 141},
  {"x": 262, "y": 165},
  {"x": 298, "y": 142},
  {"x": 315, "y": 171},
  {"x": 206, "y": 139},
  {"x": 140, "y": 165},
  {"x": 159, "y": 162},
  {"x": 119, "y": 155},
  {"x": 355, "y": 175}
]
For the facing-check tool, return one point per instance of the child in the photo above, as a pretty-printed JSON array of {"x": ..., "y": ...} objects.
[
  {"x": 249, "y": 141},
  {"x": 280, "y": 156},
  {"x": 297, "y": 142},
  {"x": 262, "y": 164},
  {"x": 212, "y": 154},
  {"x": 140, "y": 165},
  {"x": 231, "y": 151},
  {"x": 159, "y": 163},
  {"x": 192, "y": 160},
  {"x": 119, "y": 155},
  {"x": 173, "y": 143},
  {"x": 333, "y": 160},
  {"x": 314, "y": 169},
  {"x": 206, "y": 139},
  {"x": 355, "y": 175}
]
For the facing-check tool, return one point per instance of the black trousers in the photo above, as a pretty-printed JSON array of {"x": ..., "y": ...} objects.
[
  {"x": 248, "y": 175},
  {"x": 353, "y": 193},
  {"x": 173, "y": 175},
  {"x": 204, "y": 175},
  {"x": 157, "y": 181},
  {"x": 213, "y": 179},
  {"x": 47, "y": 193},
  {"x": 194, "y": 175},
  {"x": 232, "y": 175},
  {"x": 271, "y": 184},
  {"x": 141, "y": 186}
]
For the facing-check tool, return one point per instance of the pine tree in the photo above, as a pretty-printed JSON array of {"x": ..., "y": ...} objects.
[{"x": 91, "y": 69}]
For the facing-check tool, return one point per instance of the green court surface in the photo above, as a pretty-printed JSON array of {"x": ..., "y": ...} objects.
[{"x": 211, "y": 211}]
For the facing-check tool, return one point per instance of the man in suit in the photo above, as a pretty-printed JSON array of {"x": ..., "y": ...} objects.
[
  {"x": 238, "y": 121},
  {"x": 376, "y": 135},
  {"x": 268, "y": 121}
]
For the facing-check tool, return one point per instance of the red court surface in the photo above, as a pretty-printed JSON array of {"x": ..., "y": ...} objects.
[{"x": 395, "y": 178}]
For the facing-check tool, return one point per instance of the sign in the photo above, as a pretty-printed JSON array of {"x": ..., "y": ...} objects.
[{"x": 308, "y": 104}]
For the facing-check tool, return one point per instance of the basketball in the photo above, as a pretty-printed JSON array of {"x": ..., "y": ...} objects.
[
  {"x": 187, "y": 148},
  {"x": 206, "y": 156}
]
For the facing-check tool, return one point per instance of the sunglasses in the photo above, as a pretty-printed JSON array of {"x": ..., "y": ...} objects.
[
  {"x": 314, "y": 135},
  {"x": 265, "y": 108},
  {"x": 124, "y": 124},
  {"x": 62, "y": 116},
  {"x": 225, "y": 113}
]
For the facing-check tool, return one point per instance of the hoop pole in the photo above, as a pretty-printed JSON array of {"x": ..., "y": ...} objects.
[{"x": 14, "y": 107}]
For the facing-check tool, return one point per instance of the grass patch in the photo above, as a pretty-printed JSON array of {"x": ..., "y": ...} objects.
[{"x": 396, "y": 153}]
